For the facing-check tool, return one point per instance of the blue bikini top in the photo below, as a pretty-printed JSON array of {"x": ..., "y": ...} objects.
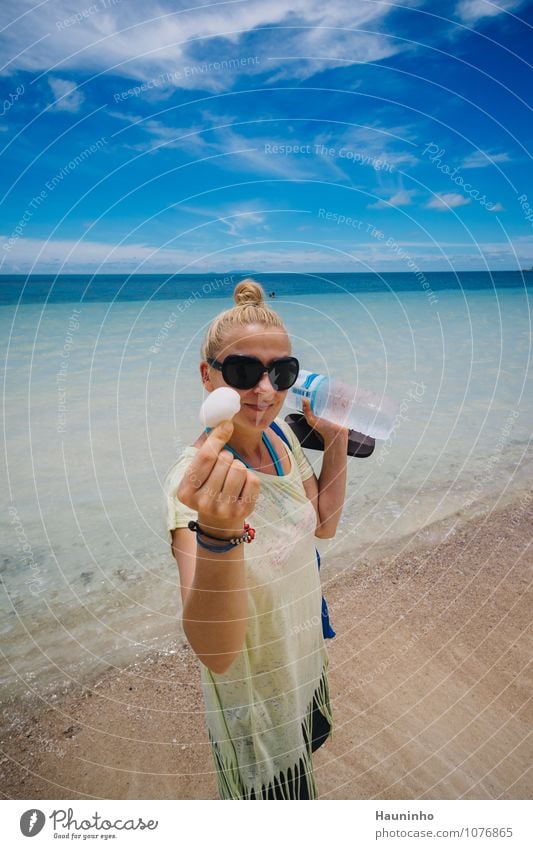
[{"x": 270, "y": 448}]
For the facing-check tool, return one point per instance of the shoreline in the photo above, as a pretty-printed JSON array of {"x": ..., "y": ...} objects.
[{"x": 427, "y": 676}]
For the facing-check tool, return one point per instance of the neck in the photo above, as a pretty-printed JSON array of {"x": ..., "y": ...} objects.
[{"x": 248, "y": 444}]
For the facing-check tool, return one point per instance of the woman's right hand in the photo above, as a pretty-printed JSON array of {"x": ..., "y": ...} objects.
[{"x": 218, "y": 486}]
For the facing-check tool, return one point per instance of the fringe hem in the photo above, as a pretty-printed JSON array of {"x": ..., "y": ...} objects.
[
  {"x": 287, "y": 785},
  {"x": 322, "y": 701}
]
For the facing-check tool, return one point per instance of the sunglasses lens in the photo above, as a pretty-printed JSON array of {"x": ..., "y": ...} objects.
[
  {"x": 242, "y": 372},
  {"x": 284, "y": 373}
]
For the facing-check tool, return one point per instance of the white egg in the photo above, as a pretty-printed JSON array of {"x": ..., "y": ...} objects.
[{"x": 220, "y": 405}]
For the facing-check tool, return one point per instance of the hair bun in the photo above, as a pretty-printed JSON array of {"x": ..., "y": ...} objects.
[{"x": 248, "y": 292}]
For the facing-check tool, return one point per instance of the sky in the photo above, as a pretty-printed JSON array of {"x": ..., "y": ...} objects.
[{"x": 245, "y": 135}]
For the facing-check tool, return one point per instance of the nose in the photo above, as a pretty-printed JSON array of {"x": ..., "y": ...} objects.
[{"x": 264, "y": 386}]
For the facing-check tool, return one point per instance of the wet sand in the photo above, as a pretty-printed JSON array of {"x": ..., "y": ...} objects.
[{"x": 430, "y": 681}]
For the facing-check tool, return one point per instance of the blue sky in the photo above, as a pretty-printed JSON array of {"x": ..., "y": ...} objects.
[{"x": 239, "y": 135}]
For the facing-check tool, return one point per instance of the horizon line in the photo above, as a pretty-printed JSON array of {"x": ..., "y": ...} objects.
[{"x": 249, "y": 273}]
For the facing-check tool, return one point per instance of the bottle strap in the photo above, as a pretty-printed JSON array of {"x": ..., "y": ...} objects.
[{"x": 327, "y": 630}]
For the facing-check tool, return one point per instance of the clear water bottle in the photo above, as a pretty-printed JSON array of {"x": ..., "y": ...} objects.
[{"x": 357, "y": 409}]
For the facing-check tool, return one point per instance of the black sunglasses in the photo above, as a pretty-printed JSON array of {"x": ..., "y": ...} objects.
[{"x": 243, "y": 372}]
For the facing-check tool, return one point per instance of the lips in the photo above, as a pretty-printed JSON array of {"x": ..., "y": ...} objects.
[{"x": 259, "y": 408}]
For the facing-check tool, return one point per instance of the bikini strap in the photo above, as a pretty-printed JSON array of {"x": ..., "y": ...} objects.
[
  {"x": 270, "y": 448},
  {"x": 273, "y": 453},
  {"x": 276, "y": 428}
]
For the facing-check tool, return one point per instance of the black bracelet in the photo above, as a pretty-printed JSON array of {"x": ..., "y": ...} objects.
[
  {"x": 248, "y": 534},
  {"x": 218, "y": 549}
]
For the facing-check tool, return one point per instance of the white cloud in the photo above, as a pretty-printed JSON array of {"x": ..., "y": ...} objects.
[
  {"x": 236, "y": 219},
  {"x": 67, "y": 97},
  {"x": 482, "y": 159},
  {"x": 444, "y": 202},
  {"x": 320, "y": 48},
  {"x": 336, "y": 157},
  {"x": 471, "y": 11},
  {"x": 401, "y": 198},
  {"x": 239, "y": 221},
  {"x": 373, "y": 144},
  {"x": 61, "y": 254},
  {"x": 497, "y": 207},
  {"x": 132, "y": 40},
  {"x": 162, "y": 136},
  {"x": 246, "y": 154},
  {"x": 64, "y": 256}
]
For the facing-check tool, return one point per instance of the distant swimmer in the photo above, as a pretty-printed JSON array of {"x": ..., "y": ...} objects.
[{"x": 271, "y": 294}]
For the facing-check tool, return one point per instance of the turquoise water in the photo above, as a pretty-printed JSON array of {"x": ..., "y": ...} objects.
[
  {"x": 100, "y": 397},
  {"x": 66, "y": 288}
]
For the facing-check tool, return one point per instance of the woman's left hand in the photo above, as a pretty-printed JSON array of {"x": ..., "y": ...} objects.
[{"x": 327, "y": 430}]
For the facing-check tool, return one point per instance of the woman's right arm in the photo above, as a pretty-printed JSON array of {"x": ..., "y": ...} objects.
[
  {"x": 215, "y": 599},
  {"x": 213, "y": 585}
]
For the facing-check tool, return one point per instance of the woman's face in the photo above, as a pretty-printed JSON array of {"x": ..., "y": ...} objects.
[{"x": 261, "y": 404}]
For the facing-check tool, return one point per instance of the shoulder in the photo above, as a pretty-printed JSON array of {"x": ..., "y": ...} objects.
[
  {"x": 304, "y": 466},
  {"x": 283, "y": 426},
  {"x": 174, "y": 474},
  {"x": 288, "y": 432}
]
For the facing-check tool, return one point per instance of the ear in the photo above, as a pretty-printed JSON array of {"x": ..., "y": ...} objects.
[{"x": 204, "y": 374}]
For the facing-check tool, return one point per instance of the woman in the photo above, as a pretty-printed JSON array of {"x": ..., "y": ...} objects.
[{"x": 252, "y": 612}]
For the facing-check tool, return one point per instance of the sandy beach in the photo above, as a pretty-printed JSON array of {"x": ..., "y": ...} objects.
[{"x": 429, "y": 681}]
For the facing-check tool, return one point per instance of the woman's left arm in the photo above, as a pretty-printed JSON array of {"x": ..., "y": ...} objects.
[{"x": 328, "y": 492}]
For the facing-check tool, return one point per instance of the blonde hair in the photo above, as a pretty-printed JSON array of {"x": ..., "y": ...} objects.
[{"x": 250, "y": 308}]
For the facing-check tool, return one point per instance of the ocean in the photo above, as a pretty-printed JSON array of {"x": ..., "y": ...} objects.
[{"x": 102, "y": 392}]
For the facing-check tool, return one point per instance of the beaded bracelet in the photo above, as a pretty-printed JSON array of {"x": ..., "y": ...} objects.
[{"x": 248, "y": 536}]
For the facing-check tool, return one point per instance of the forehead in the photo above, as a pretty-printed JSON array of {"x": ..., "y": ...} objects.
[{"x": 257, "y": 341}]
